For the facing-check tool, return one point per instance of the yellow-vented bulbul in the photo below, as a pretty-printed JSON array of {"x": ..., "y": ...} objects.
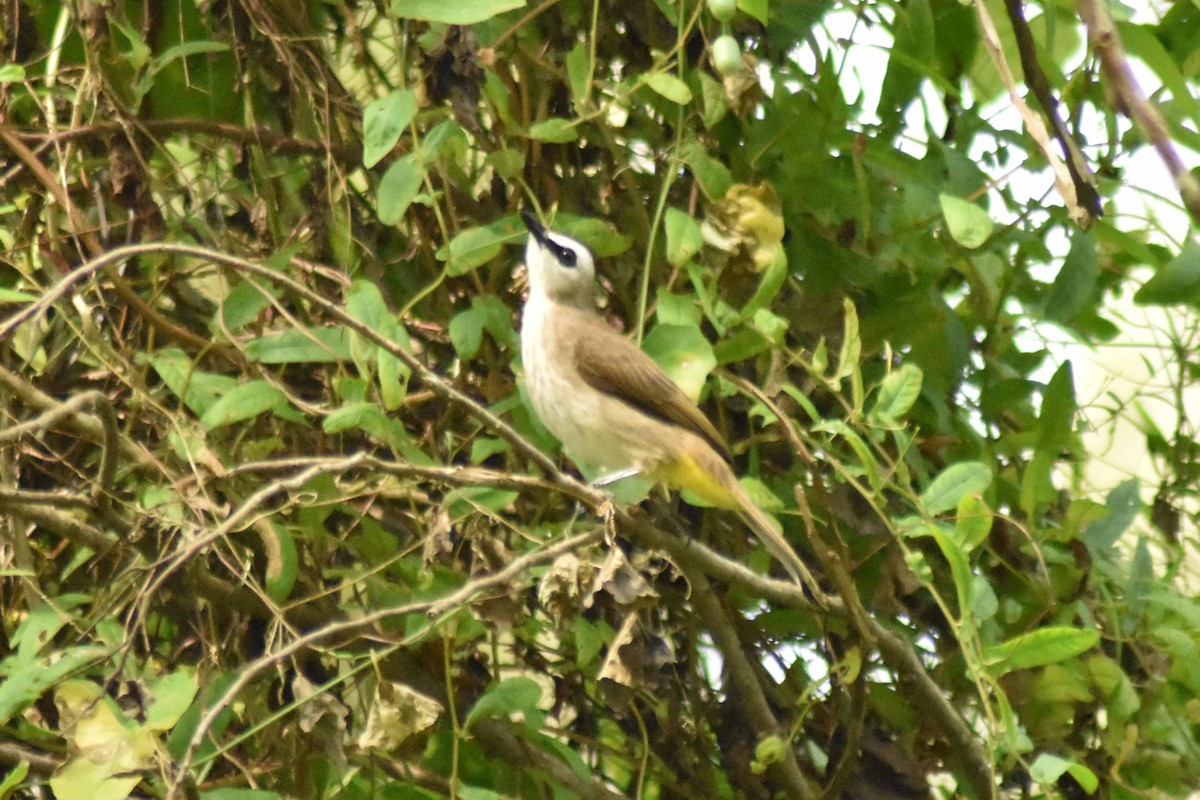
[{"x": 609, "y": 403}]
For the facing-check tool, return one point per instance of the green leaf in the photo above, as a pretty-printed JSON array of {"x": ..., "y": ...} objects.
[
  {"x": 475, "y": 247},
  {"x": 234, "y": 793},
  {"x": 910, "y": 58},
  {"x": 362, "y": 415},
  {"x": 484, "y": 447},
  {"x": 26, "y": 685},
  {"x": 866, "y": 458},
  {"x": 469, "y": 792},
  {"x": 769, "y": 284},
  {"x": 969, "y": 224},
  {"x": 473, "y": 499},
  {"x": 202, "y": 389},
  {"x": 365, "y": 304},
  {"x": 851, "y": 351},
  {"x": 138, "y": 54},
  {"x": 283, "y": 562},
  {"x": 1124, "y": 504},
  {"x": 447, "y": 137},
  {"x": 193, "y": 48},
  {"x": 172, "y": 696},
  {"x": 312, "y": 346},
  {"x": 590, "y": 639},
  {"x": 1039, "y": 648},
  {"x": 487, "y": 313},
  {"x": 675, "y": 309},
  {"x": 384, "y": 120},
  {"x": 740, "y": 345},
  {"x": 243, "y": 402},
  {"x": 505, "y": 698},
  {"x": 1047, "y": 769},
  {"x": 215, "y": 685},
  {"x": 761, "y": 494},
  {"x": 955, "y": 482},
  {"x": 1176, "y": 283},
  {"x": 466, "y": 333},
  {"x": 242, "y": 305},
  {"x": 601, "y": 238},
  {"x": 398, "y": 188},
  {"x": 1143, "y": 42},
  {"x": 899, "y": 390},
  {"x": 712, "y": 92},
  {"x": 458, "y": 12},
  {"x": 370, "y": 419},
  {"x": 393, "y": 373},
  {"x": 684, "y": 238},
  {"x": 685, "y": 355},
  {"x": 12, "y": 73},
  {"x": 669, "y": 87},
  {"x": 507, "y": 162},
  {"x": 1057, "y": 420},
  {"x": 577, "y": 72},
  {"x": 1036, "y": 486},
  {"x": 17, "y": 775},
  {"x": 555, "y": 129},
  {"x": 1076, "y": 282},
  {"x": 755, "y": 8},
  {"x": 960, "y": 571},
  {"x": 713, "y": 176},
  {"x": 972, "y": 521}
]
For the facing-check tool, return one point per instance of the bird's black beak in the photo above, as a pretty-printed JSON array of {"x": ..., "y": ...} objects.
[{"x": 536, "y": 229}]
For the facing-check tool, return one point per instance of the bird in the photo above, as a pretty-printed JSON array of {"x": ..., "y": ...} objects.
[{"x": 610, "y": 404}]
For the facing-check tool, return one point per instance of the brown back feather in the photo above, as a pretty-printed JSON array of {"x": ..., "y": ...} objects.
[{"x": 613, "y": 365}]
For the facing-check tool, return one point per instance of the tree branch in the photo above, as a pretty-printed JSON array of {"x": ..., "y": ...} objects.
[
  {"x": 1108, "y": 47},
  {"x": 725, "y": 637},
  {"x": 1035, "y": 78}
]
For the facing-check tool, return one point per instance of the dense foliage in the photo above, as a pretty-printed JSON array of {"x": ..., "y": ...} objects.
[{"x": 277, "y": 520}]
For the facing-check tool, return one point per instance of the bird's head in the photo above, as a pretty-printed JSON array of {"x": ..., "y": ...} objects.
[{"x": 559, "y": 267}]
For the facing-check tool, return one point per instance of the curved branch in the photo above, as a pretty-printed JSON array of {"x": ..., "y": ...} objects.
[
  {"x": 1149, "y": 120},
  {"x": 499, "y": 742},
  {"x": 348, "y": 155},
  {"x": 93, "y": 249},
  {"x": 102, "y": 493},
  {"x": 1035, "y": 79},
  {"x": 742, "y": 673},
  {"x": 900, "y": 656},
  {"x": 1034, "y": 125},
  {"x": 355, "y": 627},
  {"x": 81, "y": 422}
]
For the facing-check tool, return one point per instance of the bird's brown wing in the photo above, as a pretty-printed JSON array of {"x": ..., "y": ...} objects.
[{"x": 613, "y": 365}]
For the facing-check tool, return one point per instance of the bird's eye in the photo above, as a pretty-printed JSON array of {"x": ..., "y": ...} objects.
[{"x": 565, "y": 255}]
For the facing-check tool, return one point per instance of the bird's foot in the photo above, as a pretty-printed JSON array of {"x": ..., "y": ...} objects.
[{"x": 613, "y": 477}]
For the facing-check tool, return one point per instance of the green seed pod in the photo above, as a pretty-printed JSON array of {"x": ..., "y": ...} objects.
[
  {"x": 723, "y": 10},
  {"x": 726, "y": 55}
]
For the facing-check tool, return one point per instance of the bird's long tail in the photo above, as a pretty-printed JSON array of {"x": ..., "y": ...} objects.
[
  {"x": 770, "y": 534},
  {"x": 698, "y": 468}
]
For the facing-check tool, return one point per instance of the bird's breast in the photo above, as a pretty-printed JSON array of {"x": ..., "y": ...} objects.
[{"x": 594, "y": 427}]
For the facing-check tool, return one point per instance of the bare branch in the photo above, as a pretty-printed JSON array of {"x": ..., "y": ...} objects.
[{"x": 1108, "y": 47}]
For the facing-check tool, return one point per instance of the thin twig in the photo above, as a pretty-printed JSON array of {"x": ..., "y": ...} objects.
[
  {"x": 743, "y": 674},
  {"x": 102, "y": 491},
  {"x": 1107, "y": 43},
  {"x": 1033, "y": 123},
  {"x": 348, "y": 155},
  {"x": 91, "y": 247},
  {"x": 897, "y": 653},
  {"x": 498, "y": 740},
  {"x": 82, "y": 423},
  {"x": 354, "y": 626},
  {"x": 1081, "y": 175}
]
